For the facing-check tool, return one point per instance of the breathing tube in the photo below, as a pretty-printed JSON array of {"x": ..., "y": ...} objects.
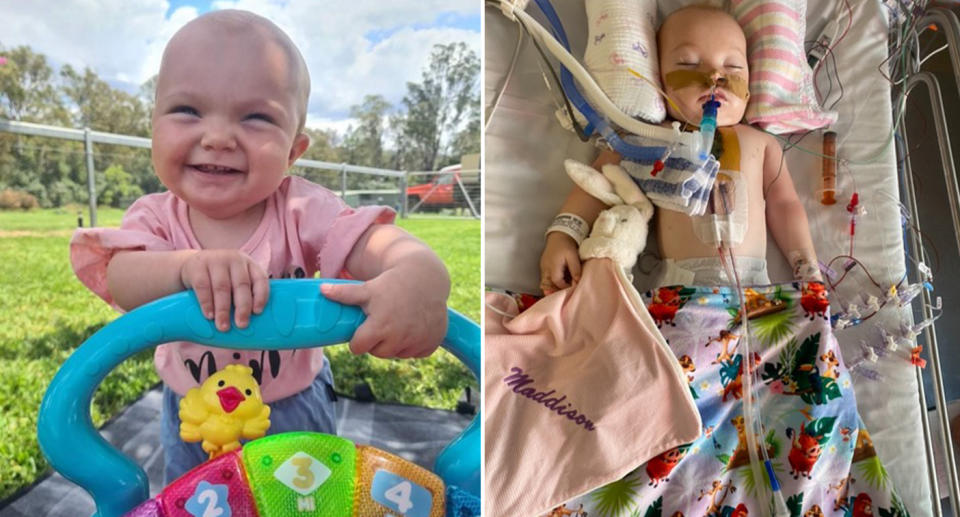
[
  {"x": 688, "y": 144},
  {"x": 708, "y": 124}
]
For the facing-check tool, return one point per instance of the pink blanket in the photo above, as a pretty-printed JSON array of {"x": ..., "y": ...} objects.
[{"x": 579, "y": 390}]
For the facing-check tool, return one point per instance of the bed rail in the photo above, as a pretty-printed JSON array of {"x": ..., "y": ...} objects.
[{"x": 949, "y": 25}]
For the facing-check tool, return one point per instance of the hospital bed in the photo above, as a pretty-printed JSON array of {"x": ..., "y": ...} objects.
[{"x": 525, "y": 185}]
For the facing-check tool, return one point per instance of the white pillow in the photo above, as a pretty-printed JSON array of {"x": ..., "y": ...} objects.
[{"x": 622, "y": 34}]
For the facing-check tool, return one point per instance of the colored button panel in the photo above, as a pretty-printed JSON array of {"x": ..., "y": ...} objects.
[
  {"x": 217, "y": 487},
  {"x": 149, "y": 508},
  {"x": 388, "y": 485},
  {"x": 302, "y": 474}
]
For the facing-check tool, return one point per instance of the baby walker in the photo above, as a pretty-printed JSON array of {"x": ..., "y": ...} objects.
[{"x": 289, "y": 474}]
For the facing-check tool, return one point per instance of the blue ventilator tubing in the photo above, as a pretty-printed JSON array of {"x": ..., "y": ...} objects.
[
  {"x": 708, "y": 126},
  {"x": 646, "y": 155}
]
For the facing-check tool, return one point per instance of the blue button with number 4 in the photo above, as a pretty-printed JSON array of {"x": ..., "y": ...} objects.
[{"x": 400, "y": 494}]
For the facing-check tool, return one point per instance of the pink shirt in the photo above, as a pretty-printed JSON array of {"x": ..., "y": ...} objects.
[{"x": 305, "y": 229}]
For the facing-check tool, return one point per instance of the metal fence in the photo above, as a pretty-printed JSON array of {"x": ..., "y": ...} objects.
[{"x": 449, "y": 192}]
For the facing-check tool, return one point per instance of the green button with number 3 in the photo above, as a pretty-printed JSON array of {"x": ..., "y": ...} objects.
[{"x": 303, "y": 474}]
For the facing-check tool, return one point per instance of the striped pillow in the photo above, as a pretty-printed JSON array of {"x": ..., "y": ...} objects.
[{"x": 781, "y": 83}]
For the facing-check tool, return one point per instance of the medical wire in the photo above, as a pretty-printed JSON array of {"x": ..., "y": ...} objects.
[
  {"x": 897, "y": 55},
  {"x": 498, "y": 311},
  {"x": 816, "y": 46},
  {"x": 581, "y": 134},
  {"x": 670, "y": 99},
  {"x": 922, "y": 238},
  {"x": 836, "y": 73},
  {"x": 833, "y": 46},
  {"x": 506, "y": 81},
  {"x": 928, "y": 56}
]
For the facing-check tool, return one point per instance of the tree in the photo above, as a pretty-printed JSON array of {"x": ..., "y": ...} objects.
[
  {"x": 467, "y": 141},
  {"x": 27, "y": 91},
  {"x": 116, "y": 187},
  {"x": 438, "y": 105},
  {"x": 101, "y": 107},
  {"x": 323, "y": 147},
  {"x": 365, "y": 142},
  {"x": 148, "y": 94},
  {"x": 401, "y": 146}
]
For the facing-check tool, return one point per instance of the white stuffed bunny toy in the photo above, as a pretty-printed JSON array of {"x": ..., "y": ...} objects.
[{"x": 620, "y": 232}]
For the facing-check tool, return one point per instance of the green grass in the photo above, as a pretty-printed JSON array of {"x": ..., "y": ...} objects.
[
  {"x": 45, "y": 313},
  {"x": 63, "y": 219}
]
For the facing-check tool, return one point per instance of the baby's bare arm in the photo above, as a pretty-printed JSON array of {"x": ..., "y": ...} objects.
[
  {"x": 221, "y": 279},
  {"x": 560, "y": 255},
  {"x": 785, "y": 215},
  {"x": 131, "y": 288},
  {"x": 404, "y": 296}
]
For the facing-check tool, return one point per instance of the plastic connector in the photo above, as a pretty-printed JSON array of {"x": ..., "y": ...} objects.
[
  {"x": 844, "y": 320},
  {"x": 822, "y": 43},
  {"x": 827, "y": 271},
  {"x": 509, "y": 6},
  {"x": 708, "y": 126},
  {"x": 907, "y": 293},
  {"x": 853, "y": 311},
  {"x": 889, "y": 342}
]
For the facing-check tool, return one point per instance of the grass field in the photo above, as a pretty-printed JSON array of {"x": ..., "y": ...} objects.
[{"x": 45, "y": 313}]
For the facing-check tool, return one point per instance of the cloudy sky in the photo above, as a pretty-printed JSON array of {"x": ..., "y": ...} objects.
[{"x": 352, "y": 47}]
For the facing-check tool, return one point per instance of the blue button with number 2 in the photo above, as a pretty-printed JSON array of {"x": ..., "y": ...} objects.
[{"x": 400, "y": 494}]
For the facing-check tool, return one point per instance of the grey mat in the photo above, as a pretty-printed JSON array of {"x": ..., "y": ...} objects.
[{"x": 414, "y": 433}]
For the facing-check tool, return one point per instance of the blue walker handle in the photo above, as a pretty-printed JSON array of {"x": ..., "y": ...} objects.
[{"x": 296, "y": 316}]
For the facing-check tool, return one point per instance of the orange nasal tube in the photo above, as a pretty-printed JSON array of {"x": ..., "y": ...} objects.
[
  {"x": 827, "y": 196},
  {"x": 683, "y": 78}
]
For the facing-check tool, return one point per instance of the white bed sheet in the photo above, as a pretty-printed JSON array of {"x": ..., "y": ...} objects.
[{"x": 525, "y": 185}]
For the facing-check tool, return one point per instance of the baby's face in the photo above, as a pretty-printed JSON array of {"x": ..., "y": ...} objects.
[
  {"x": 704, "y": 43},
  {"x": 225, "y": 125}
]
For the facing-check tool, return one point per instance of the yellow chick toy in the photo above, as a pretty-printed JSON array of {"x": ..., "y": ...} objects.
[{"x": 225, "y": 408}]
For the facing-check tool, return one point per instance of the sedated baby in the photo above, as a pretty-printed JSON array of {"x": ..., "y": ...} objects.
[{"x": 703, "y": 51}]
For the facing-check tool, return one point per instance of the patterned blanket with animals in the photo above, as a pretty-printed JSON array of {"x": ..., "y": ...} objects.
[{"x": 820, "y": 452}]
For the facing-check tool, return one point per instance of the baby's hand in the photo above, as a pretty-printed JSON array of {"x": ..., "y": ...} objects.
[
  {"x": 216, "y": 276},
  {"x": 406, "y": 310},
  {"x": 560, "y": 260}
]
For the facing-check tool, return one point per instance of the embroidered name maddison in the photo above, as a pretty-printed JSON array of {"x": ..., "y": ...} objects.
[{"x": 517, "y": 380}]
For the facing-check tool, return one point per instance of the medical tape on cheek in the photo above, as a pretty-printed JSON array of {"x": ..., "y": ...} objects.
[{"x": 683, "y": 78}]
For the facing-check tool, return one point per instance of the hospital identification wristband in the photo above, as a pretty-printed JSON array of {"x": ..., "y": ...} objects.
[{"x": 571, "y": 224}]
